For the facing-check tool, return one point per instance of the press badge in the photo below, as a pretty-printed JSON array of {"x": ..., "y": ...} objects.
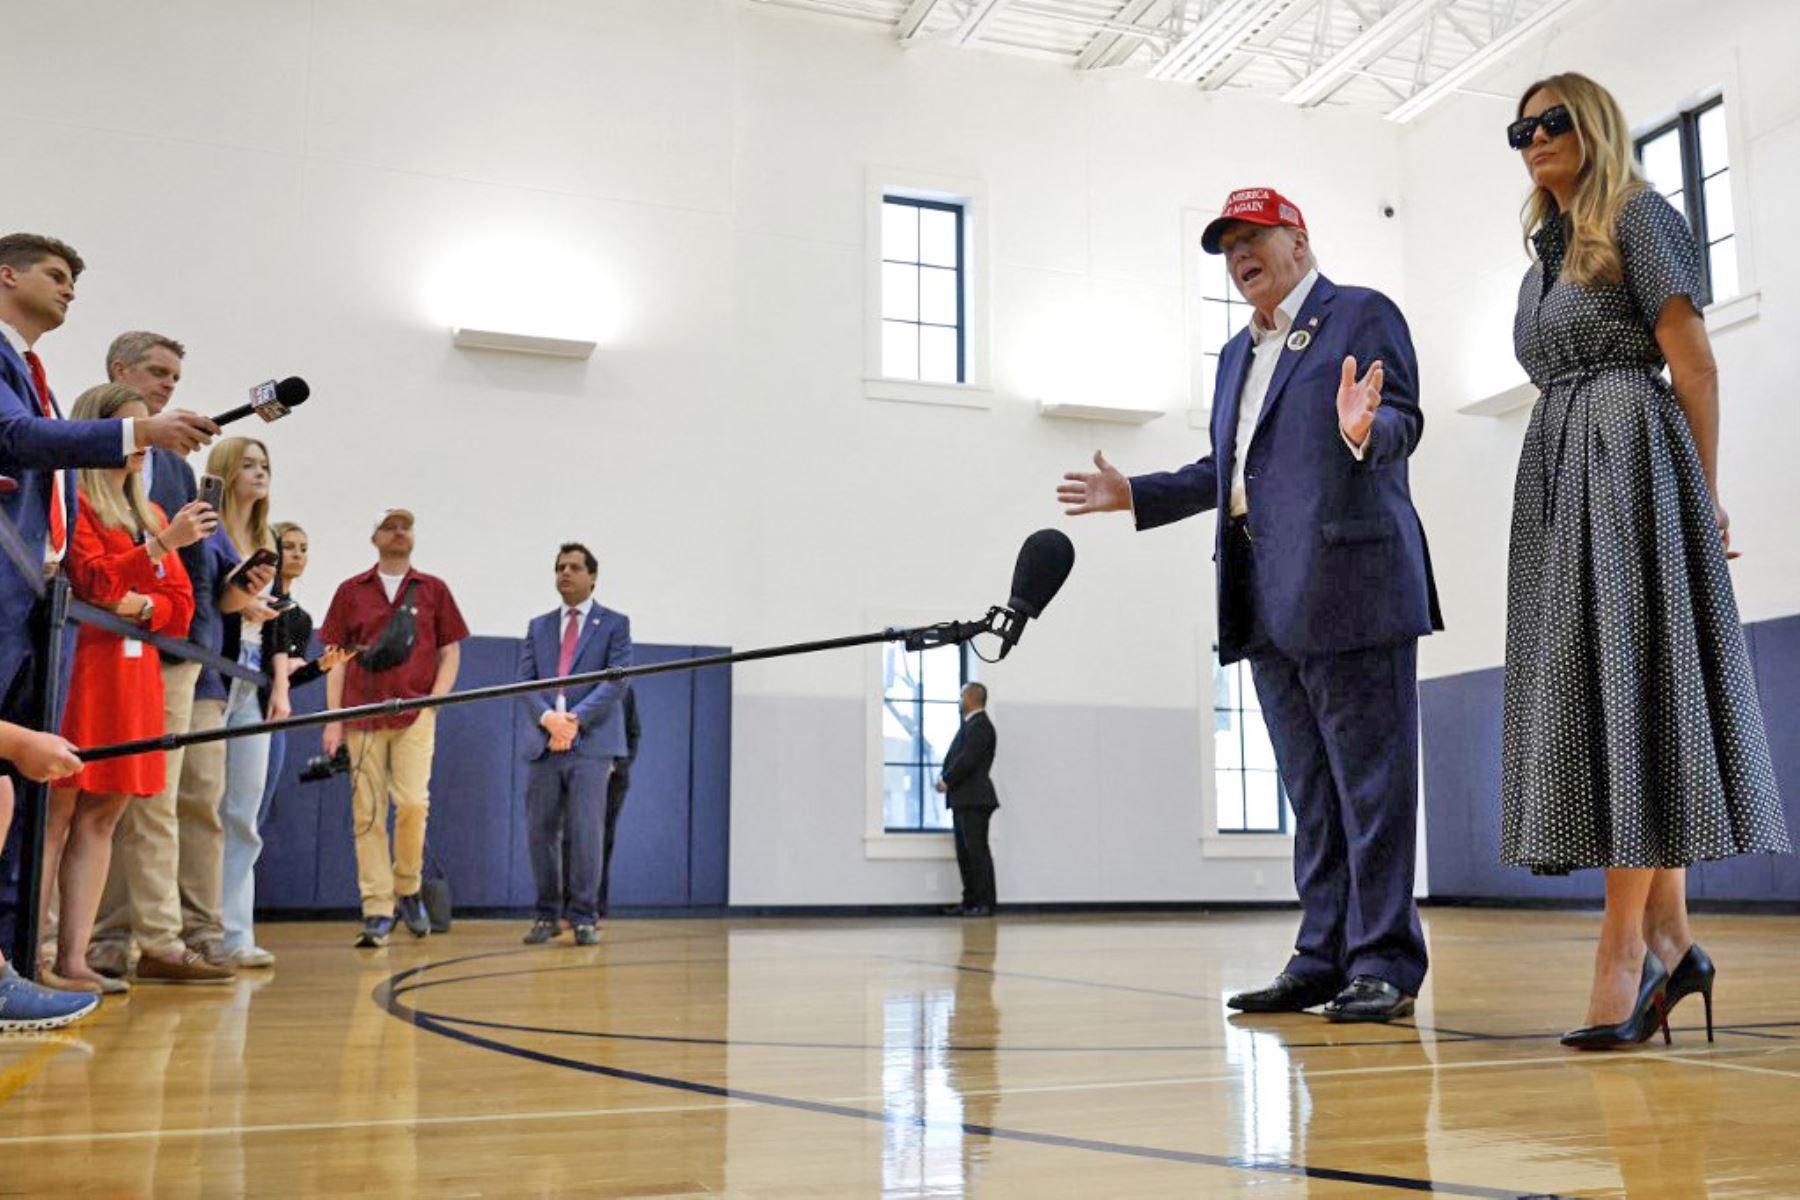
[{"x": 134, "y": 648}]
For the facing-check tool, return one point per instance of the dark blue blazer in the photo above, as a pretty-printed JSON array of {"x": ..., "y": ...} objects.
[
  {"x": 605, "y": 642},
  {"x": 32, "y": 448},
  {"x": 1341, "y": 558}
]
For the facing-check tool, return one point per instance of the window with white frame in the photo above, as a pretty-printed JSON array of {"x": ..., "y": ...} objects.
[
  {"x": 1222, "y": 312},
  {"x": 1688, "y": 160},
  {"x": 1250, "y": 797},
  {"x": 921, "y": 711},
  {"x": 924, "y": 332}
]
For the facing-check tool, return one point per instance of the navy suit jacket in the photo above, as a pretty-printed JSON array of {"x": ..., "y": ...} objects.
[
  {"x": 32, "y": 448},
  {"x": 1341, "y": 558},
  {"x": 605, "y": 642}
]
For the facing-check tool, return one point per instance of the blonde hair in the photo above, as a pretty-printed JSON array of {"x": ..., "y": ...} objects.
[
  {"x": 225, "y": 461},
  {"x": 1608, "y": 177},
  {"x": 119, "y": 505}
]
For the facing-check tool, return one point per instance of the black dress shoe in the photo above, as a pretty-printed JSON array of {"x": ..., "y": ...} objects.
[
  {"x": 1648, "y": 1014},
  {"x": 1287, "y": 994},
  {"x": 978, "y": 910},
  {"x": 954, "y": 910},
  {"x": 1369, "y": 999}
]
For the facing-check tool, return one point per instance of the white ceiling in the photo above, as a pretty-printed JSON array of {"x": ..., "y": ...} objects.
[{"x": 1395, "y": 57}]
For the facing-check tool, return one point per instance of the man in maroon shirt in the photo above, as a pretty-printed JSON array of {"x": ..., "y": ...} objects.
[{"x": 391, "y": 755}]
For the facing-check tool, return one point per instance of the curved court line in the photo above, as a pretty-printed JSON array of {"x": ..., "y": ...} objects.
[{"x": 388, "y": 993}]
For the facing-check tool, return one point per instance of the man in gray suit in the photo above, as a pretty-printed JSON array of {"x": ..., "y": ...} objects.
[{"x": 972, "y": 802}]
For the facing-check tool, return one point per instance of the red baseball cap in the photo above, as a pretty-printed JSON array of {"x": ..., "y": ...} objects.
[{"x": 1259, "y": 206}]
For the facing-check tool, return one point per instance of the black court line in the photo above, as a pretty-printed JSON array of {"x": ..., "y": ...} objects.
[{"x": 386, "y": 996}]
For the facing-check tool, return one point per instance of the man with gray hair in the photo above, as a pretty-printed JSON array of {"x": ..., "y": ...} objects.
[{"x": 168, "y": 850}]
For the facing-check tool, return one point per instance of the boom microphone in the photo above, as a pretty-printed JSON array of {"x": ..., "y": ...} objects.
[
  {"x": 1045, "y": 561},
  {"x": 269, "y": 400}
]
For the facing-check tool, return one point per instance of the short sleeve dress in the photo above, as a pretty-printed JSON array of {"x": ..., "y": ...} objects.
[{"x": 1633, "y": 735}]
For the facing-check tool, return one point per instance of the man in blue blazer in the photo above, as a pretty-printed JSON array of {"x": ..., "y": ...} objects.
[
  {"x": 37, "y": 451},
  {"x": 1324, "y": 584},
  {"x": 576, "y": 737}
]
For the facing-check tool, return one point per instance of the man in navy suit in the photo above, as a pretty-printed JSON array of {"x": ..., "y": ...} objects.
[
  {"x": 1324, "y": 584},
  {"x": 577, "y": 736},
  {"x": 37, "y": 450}
]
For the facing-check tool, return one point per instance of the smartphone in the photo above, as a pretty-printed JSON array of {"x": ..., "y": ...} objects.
[
  {"x": 212, "y": 491},
  {"x": 262, "y": 558},
  {"x": 281, "y": 604}
]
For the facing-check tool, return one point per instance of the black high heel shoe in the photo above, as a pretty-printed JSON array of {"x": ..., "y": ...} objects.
[
  {"x": 1694, "y": 973},
  {"x": 1649, "y": 1013}
]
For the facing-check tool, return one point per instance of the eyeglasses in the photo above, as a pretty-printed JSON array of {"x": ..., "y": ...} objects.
[{"x": 1555, "y": 120}]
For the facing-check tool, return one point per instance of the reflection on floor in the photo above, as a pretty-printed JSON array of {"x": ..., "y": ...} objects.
[{"x": 1033, "y": 1057}]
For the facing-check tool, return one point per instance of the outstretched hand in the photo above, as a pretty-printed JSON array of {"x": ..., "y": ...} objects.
[
  {"x": 1357, "y": 400},
  {"x": 1103, "y": 490}
]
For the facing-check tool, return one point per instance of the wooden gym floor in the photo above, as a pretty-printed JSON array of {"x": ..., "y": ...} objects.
[{"x": 1024, "y": 1056}]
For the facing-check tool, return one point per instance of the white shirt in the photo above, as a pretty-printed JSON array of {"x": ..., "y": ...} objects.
[
  {"x": 585, "y": 608},
  {"x": 391, "y": 583},
  {"x": 1266, "y": 342}
]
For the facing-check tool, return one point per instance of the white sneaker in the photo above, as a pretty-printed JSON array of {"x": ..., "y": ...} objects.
[{"x": 252, "y": 956}]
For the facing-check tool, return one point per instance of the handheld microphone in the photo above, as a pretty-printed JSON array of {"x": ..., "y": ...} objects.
[
  {"x": 269, "y": 400},
  {"x": 1045, "y": 561}
]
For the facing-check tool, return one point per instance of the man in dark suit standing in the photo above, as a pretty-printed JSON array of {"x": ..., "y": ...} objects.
[
  {"x": 1324, "y": 584},
  {"x": 972, "y": 800},
  {"x": 577, "y": 737}
]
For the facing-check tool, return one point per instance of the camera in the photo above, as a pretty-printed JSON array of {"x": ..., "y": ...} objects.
[{"x": 324, "y": 766}]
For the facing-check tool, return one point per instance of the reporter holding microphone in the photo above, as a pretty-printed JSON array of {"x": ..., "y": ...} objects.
[{"x": 122, "y": 557}]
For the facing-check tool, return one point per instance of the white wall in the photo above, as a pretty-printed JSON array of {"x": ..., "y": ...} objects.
[
  {"x": 301, "y": 188},
  {"x": 1463, "y": 190}
]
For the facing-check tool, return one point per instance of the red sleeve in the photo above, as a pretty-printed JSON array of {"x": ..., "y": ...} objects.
[
  {"x": 174, "y": 596},
  {"x": 450, "y": 627},
  {"x": 103, "y": 564}
]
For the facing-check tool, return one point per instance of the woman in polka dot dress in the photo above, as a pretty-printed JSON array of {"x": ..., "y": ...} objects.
[{"x": 1633, "y": 736}]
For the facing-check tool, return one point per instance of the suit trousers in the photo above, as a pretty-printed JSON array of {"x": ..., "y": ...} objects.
[
  {"x": 565, "y": 797},
  {"x": 974, "y": 861},
  {"x": 1345, "y": 729},
  {"x": 394, "y": 762}
]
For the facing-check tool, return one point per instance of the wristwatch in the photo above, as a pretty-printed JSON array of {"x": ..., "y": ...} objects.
[{"x": 143, "y": 617}]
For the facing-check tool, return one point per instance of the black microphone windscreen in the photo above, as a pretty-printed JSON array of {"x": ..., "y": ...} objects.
[
  {"x": 1045, "y": 560},
  {"x": 292, "y": 391}
]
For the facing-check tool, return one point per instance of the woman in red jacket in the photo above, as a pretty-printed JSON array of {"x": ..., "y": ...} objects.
[{"x": 122, "y": 558}]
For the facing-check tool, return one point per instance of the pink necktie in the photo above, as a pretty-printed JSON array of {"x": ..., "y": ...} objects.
[{"x": 571, "y": 634}]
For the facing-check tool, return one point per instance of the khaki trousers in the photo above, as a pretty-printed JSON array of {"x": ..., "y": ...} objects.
[
  {"x": 169, "y": 848},
  {"x": 386, "y": 762}
]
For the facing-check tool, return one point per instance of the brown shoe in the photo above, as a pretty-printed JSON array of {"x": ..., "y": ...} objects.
[
  {"x": 110, "y": 959},
  {"x": 191, "y": 967}
]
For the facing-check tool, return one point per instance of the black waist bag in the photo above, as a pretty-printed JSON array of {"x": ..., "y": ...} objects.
[{"x": 394, "y": 644}]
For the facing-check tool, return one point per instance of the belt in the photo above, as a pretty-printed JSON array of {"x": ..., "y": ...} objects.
[{"x": 1575, "y": 374}]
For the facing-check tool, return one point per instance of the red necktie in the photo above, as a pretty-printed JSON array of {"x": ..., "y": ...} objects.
[
  {"x": 571, "y": 635},
  {"x": 59, "y": 529}
]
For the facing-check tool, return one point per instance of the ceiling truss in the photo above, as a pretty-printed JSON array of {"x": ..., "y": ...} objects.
[{"x": 1396, "y": 57}]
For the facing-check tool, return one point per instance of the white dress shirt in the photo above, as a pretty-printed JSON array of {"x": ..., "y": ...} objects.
[{"x": 1267, "y": 343}]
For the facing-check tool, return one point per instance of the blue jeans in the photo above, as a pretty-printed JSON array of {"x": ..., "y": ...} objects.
[{"x": 246, "y": 777}]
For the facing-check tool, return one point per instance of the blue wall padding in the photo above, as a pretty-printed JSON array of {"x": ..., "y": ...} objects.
[{"x": 673, "y": 846}]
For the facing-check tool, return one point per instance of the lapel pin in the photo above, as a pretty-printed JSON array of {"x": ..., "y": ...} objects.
[
  {"x": 1313, "y": 324},
  {"x": 1299, "y": 340}
]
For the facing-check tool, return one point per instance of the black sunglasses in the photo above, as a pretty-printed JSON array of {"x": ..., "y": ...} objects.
[{"x": 1555, "y": 120}]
